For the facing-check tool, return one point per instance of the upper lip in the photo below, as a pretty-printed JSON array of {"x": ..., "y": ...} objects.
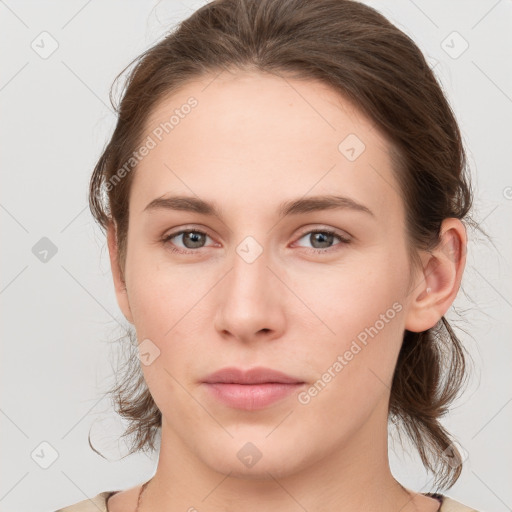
[{"x": 259, "y": 375}]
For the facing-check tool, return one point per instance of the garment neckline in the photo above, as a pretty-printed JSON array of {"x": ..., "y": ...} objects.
[{"x": 435, "y": 495}]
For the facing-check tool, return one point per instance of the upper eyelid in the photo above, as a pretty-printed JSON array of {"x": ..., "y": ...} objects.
[
  {"x": 338, "y": 232},
  {"x": 182, "y": 231},
  {"x": 344, "y": 240}
]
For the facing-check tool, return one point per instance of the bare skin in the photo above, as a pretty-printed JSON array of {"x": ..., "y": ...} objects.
[{"x": 252, "y": 142}]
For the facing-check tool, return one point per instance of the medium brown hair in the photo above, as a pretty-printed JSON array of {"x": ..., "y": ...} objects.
[{"x": 360, "y": 54}]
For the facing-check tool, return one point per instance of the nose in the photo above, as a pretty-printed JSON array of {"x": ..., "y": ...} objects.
[{"x": 251, "y": 299}]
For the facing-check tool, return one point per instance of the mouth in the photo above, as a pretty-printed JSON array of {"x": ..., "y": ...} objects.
[{"x": 252, "y": 389}]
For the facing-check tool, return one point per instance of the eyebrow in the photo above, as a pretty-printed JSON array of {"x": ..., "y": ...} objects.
[{"x": 292, "y": 207}]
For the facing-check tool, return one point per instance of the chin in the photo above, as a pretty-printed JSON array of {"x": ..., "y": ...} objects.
[{"x": 255, "y": 456}]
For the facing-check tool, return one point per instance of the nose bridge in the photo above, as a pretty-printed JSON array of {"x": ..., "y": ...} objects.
[
  {"x": 248, "y": 301},
  {"x": 250, "y": 273}
]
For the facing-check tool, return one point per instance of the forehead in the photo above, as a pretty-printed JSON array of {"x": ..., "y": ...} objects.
[{"x": 255, "y": 139}]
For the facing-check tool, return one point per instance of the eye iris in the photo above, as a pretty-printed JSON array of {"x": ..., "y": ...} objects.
[
  {"x": 325, "y": 238},
  {"x": 193, "y": 236}
]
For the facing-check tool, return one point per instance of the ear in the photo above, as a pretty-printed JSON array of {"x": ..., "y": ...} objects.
[
  {"x": 439, "y": 281},
  {"x": 119, "y": 283}
]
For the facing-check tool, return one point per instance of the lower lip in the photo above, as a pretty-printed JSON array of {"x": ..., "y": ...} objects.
[{"x": 251, "y": 396}]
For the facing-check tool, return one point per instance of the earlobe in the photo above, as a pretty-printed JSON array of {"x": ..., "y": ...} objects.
[
  {"x": 438, "y": 283},
  {"x": 119, "y": 282}
]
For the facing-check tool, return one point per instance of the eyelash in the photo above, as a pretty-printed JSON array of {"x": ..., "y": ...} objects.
[{"x": 344, "y": 241}]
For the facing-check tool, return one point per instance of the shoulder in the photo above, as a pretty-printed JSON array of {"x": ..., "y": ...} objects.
[
  {"x": 96, "y": 504},
  {"x": 451, "y": 505}
]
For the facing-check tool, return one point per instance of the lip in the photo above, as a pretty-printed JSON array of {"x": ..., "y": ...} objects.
[
  {"x": 251, "y": 389},
  {"x": 257, "y": 375}
]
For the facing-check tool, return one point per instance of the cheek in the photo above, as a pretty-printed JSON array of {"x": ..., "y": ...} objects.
[
  {"x": 157, "y": 296},
  {"x": 362, "y": 312},
  {"x": 167, "y": 311},
  {"x": 169, "y": 308},
  {"x": 355, "y": 295},
  {"x": 354, "y": 367}
]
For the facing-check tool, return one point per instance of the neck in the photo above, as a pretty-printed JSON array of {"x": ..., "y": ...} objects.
[{"x": 355, "y": 476}]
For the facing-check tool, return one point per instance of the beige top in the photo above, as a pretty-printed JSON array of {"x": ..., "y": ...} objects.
[{"x": 99, "y": 504}]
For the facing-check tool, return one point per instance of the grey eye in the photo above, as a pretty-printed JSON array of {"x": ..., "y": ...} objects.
[{"x": 321, "y": 239}]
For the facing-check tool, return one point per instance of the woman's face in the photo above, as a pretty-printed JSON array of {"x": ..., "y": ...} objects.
[{"x": 266, "y": 286}]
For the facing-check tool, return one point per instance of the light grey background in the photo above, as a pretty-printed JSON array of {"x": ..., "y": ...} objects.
[{"x": 58, "y": 316}]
